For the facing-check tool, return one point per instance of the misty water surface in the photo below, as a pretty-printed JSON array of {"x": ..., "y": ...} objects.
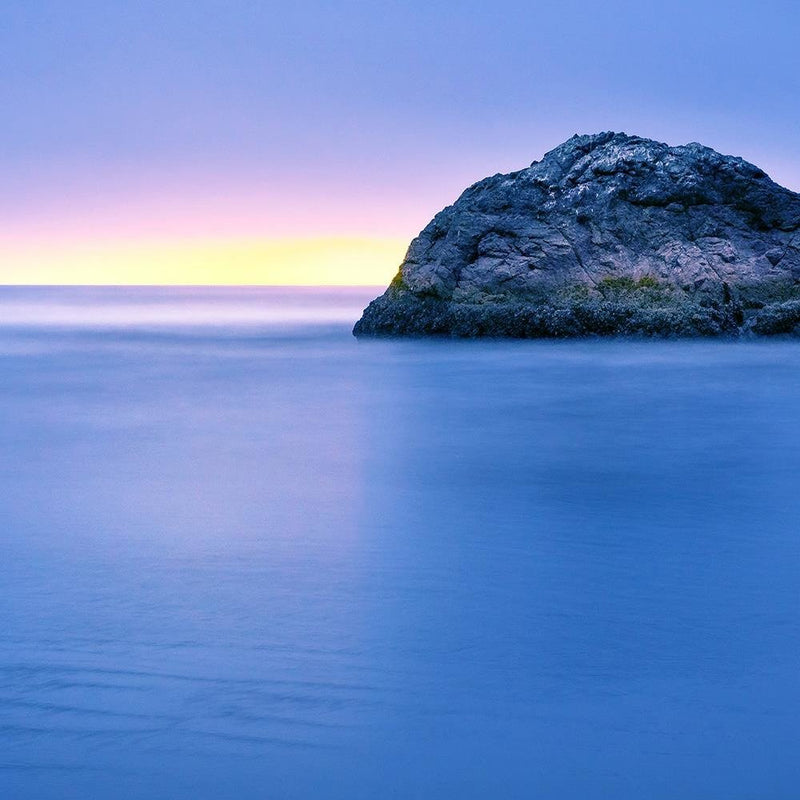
[{"x": 244, "y": 556}]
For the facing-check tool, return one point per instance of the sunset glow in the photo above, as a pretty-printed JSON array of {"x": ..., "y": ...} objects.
[{"x": 318, "y": 261}]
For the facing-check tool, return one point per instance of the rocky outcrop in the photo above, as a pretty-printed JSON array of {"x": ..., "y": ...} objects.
[{"x": 608, "y": 234}]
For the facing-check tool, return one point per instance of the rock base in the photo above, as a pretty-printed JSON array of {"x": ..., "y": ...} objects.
[{"x": 401, "y": 313}]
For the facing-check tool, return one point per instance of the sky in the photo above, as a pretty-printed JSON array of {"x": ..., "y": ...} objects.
[{"x": 308, "y": 142}]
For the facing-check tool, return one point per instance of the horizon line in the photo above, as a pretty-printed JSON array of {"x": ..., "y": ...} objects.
[{"x": 191, "y": 285}]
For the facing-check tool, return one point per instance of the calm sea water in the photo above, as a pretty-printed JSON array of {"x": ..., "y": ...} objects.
[{"x": 244, "y": 556}]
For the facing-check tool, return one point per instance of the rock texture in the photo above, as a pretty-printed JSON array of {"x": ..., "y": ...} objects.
[{"x": 607, "y": 234}]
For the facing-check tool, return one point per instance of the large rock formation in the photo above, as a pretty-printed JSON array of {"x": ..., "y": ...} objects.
[{"x": 607, "y": 234}]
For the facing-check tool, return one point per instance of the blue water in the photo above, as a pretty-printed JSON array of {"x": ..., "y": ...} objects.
[{"x": 244, "y": 556}]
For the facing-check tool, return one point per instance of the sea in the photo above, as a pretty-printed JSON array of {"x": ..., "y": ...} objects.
[{"x": 245, "y": 556}]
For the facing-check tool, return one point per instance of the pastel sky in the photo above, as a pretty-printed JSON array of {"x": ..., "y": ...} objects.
[{"x": 236, "y": 141}]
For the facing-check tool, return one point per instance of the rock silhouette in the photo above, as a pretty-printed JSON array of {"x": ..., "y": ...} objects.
[{"x": 608, "y": 234}]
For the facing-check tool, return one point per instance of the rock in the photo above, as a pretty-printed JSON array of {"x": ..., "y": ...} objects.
[
  {"x": 608, "y": 234},
  {"x": 774, "y": 256}
]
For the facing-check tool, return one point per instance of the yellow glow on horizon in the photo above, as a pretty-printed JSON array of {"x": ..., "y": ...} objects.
[{"x": 282, "y": 262}]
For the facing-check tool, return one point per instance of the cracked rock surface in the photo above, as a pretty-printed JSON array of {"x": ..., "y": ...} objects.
[{"x": 607, "y": 234}]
